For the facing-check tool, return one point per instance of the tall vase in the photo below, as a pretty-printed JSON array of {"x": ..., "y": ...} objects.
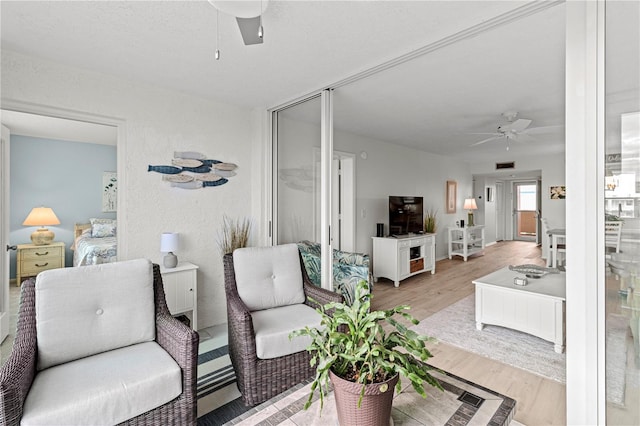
[{"x": 375, "y": 409}]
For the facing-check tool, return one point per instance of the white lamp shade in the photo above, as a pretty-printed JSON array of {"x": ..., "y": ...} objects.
[
  {"x": 41, "y": 216},
  {"x": 470, "y": 204},
  {"x": 169, "y": 242}
]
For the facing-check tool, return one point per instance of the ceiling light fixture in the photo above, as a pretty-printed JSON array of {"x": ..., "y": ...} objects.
[{"x": 248, "y": 14}]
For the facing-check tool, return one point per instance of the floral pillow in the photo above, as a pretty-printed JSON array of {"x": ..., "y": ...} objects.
[{"x": 101, "y": 228}]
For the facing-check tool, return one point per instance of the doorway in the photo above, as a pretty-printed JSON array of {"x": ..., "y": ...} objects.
[
  {"x": 17, "y": 115},
  {"x": 525, "y": 207}
]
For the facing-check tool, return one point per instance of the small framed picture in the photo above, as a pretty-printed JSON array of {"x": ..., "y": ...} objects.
[
  {"x": 557, "y": 192},
  {"x": 452, "y": 188}
]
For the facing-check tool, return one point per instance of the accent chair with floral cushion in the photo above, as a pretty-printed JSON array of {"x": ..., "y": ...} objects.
[{"x": 348, "y": 268}]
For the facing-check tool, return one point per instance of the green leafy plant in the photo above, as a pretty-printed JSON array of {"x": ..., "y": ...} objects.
[
  {"x": 430, "y": 221},
  {"x": 234, "y": 234},
  {"x": 352, "y": 342}
]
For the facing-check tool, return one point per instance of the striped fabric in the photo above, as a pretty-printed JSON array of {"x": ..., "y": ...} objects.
[{"x": 217, "y": 391}]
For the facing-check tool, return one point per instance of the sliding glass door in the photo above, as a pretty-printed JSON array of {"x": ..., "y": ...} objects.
[
  {"x": 621, "y": 233},
  {"x": 297, "y": 172},
  {"x": 302, "y": 182}
]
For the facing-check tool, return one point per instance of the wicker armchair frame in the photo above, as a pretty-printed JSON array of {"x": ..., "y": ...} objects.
[
  {"x": 261, "y": 379},
  {"x": 17, "y": 374}
]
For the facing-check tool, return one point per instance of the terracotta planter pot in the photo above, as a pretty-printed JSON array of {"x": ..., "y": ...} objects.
[{"x": 375, "y": 409}]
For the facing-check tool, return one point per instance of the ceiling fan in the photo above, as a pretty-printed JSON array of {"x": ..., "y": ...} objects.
[
  {"x": 248, "y": 14},
  {"x": 514, "y": 130}
]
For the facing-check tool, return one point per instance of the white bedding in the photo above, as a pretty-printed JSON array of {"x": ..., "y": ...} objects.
[{"x": 94, "y": 251}]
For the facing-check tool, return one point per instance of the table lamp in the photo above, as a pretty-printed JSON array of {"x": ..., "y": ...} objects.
[
  {"x": 169, "y": 244},
  {"x": 470, "y": 204},
  {"x": 41, "y": 216}
]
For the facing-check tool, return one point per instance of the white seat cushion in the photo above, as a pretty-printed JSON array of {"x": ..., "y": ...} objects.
[
  {"x": 104, "y": 389},
  {"x": 268, "y": 277},
  {"x": 272, "y": 328},
  {"x": 91, "y": 309}
]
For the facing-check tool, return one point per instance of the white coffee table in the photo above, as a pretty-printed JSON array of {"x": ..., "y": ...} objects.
[{"x": 537, "y": 308}]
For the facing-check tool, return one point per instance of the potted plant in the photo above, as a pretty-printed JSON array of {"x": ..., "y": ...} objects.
[
  {"x": 234, "y": 234},
  {"x": 430, "y": 221},
  {"x": 363, "y": 360}
]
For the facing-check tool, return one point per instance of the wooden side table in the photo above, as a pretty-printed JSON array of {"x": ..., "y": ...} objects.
[
  {"x": 181, "y": 290},
  {"x": 33, "y": 259}
]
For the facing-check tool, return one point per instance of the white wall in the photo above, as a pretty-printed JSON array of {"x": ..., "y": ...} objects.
[
  {"x": 552, "y": 169},
  {"x": 157, "y": 123},
  {"x": 395, "y": 170}
]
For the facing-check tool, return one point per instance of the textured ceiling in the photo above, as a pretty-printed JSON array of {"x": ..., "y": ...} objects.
[{"x": 432, "y": 103}]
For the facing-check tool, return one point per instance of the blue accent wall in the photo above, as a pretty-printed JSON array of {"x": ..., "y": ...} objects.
[{"x": 63, "y": 175}]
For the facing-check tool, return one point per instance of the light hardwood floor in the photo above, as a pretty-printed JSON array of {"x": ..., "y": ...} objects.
[{"x": 540, "y": 401}]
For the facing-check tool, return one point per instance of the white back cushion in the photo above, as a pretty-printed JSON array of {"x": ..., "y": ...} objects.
[
  {"x": 268, "y": 277},
  {"x": 87, "y": 310}
]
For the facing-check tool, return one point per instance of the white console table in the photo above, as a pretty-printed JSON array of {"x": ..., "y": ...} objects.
[
  {"x": 398, "y": 258},
  {"x": 466, "y": 241},
  {"x": 181, "y": 290},
  {"x": 537, "y": 308}
]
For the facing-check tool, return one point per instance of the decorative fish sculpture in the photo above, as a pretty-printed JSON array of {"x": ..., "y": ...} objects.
[
  {"x": 179, "y": 178},
  {"x": 189, "y": 155},
  {"x": 182, "y": 162},
  {"x": 215, "y": 183},
  {"x": 199, "y": 169},
  {"x": 210, "y": 162},
  {"x": 187, "y": 185},
  {"x": 167, "y": 170},
  {"x": 192, "y": 170}
]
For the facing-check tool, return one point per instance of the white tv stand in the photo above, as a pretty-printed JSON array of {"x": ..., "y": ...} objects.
[{"x": 398, "y": 258}]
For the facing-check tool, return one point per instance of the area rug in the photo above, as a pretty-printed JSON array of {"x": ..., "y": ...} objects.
[
  {"x": 455, "y": 325},
  {"x": 218, "y": 395}
]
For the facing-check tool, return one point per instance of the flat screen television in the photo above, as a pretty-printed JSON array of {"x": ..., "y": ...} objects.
[{"x": 405, "y": 215}]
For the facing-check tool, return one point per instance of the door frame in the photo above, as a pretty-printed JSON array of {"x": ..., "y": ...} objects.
[
  {"x": 514, "y": 204},
  {"x": 5, "y": 308},
  {"x": 121, "y": 150}
]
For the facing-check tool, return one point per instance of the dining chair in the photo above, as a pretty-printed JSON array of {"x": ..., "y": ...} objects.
[
  {"x": 612, "y": 237},
  {"x": 560, "y": 246}
]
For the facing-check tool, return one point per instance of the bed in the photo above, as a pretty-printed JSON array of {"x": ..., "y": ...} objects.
[{"x": 94, "y": 243}]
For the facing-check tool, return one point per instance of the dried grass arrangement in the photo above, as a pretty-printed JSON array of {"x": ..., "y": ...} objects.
[{"x": 234, "y": 234}]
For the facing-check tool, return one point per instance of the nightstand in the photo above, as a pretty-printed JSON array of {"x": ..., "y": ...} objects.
[
  {"x": 33, "y": 259},
  {"x": 181, "y": 290}
]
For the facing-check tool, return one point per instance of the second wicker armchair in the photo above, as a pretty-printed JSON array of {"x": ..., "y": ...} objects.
[{"x": 268, "y": 293}]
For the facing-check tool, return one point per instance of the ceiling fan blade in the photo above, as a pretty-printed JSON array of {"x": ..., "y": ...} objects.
[
  {"x": 249, "y": 30},
  {"x": 519, "y": 125},
  {"x": 543, "y": 129},
  {"x": 485, "y": 133},
  {"x": 485, "y": 140},
  {"x": 522, "y": 138}
]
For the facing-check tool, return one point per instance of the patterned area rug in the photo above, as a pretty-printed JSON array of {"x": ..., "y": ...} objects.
[
  {"x": 218, "y": 395},
  {"x": 455, "y": 325}
]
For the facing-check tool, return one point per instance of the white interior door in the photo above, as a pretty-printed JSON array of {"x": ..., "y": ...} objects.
[{"x": 4, "y": 233}]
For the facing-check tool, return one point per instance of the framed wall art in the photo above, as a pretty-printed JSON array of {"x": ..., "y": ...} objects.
[
  {"x": 557, "y": 192},
  {"x": 451, "y": 190},
  {"x": 109, "y": 191}
]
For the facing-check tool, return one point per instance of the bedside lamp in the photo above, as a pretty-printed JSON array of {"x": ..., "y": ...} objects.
[
  {"x": 41, "y": 216},
  {"x": 169, "y": 244},
  {"x": 470, "y": 204}
]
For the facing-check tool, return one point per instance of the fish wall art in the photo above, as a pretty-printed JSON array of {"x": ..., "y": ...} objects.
[{"x": 192, "y": 170}]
